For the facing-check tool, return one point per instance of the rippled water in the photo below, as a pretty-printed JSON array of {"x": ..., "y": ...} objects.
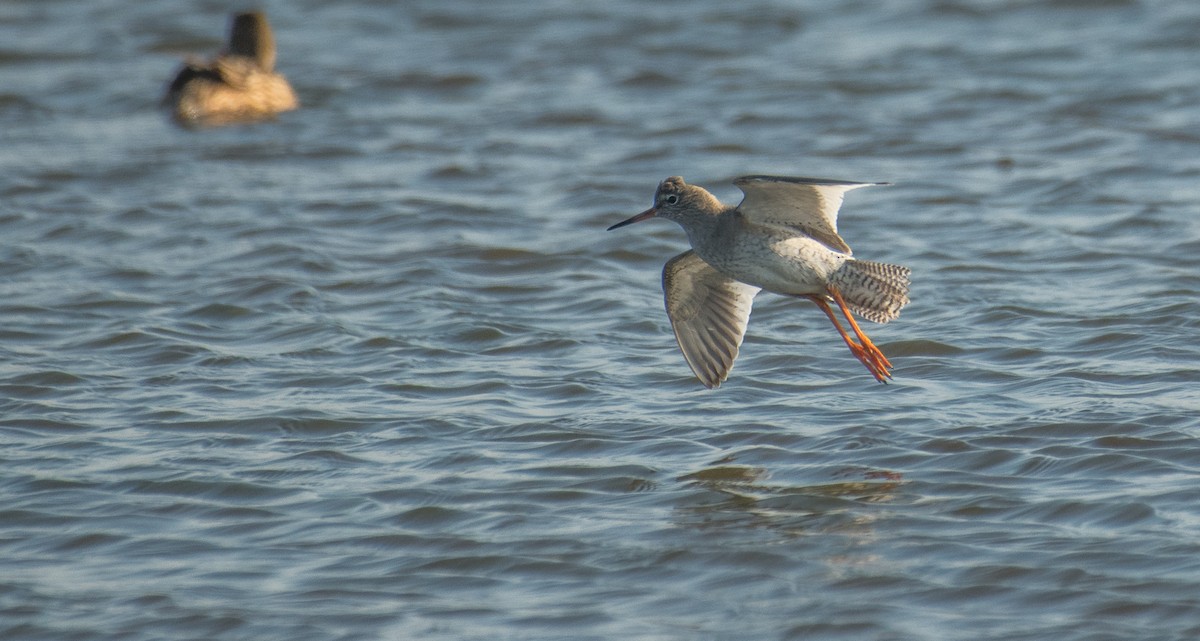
[{"x": 376, "y": 370}]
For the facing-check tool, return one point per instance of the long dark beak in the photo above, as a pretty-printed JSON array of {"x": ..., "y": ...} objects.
[{"x": 649, "y": 213}]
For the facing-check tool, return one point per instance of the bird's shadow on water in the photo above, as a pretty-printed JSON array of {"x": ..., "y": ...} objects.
[{"x": 741, "y": 497}]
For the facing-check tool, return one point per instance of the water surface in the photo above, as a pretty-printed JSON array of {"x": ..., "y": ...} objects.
[{"x": 376, "y": 371}]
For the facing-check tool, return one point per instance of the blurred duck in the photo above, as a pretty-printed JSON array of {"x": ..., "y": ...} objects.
[{"x": 239, "y": 85}]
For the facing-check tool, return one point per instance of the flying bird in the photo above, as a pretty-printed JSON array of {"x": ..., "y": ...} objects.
[{"x": 782, "y": 238}]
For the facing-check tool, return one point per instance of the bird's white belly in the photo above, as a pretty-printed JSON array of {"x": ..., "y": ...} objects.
[{"x": 795, "y": 265}]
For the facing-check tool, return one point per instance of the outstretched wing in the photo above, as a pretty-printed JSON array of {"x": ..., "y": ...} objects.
[
  {"x": 807, "y": 204},
  {"x": 708, "y": 312}
]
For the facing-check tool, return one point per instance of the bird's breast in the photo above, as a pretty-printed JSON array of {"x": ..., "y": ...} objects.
[{"x": 780, "y": 263}]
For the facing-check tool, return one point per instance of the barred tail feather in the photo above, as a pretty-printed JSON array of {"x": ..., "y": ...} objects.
[{"x": 874, "y": 291}]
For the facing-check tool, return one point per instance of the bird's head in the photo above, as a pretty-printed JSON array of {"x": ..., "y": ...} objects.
[{"x": 678, "y": 201}]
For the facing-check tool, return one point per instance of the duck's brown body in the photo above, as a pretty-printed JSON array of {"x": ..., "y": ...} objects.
[{"x": 239, "y": 85}]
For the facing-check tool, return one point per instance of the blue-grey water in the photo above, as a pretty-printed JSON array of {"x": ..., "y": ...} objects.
[{"x": 375, "y": 370}]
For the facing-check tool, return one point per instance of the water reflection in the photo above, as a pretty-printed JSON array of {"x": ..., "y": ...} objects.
[{"x": 740, "y": 496}]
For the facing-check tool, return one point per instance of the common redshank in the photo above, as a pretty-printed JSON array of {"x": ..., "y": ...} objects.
[{"x": 782, "y": 238}]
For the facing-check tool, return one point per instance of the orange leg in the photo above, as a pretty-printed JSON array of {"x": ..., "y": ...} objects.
[
  {"x": 864, "y": 356},
  {"x": 875, "y": 353}
]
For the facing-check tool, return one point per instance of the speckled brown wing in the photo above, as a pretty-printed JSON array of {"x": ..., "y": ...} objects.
[
  {"x": 809, "y": 205},
  {"x": 708, "y": 312}
]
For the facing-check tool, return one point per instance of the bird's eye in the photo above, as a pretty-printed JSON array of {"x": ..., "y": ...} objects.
[{"x": 672, "y": 199}]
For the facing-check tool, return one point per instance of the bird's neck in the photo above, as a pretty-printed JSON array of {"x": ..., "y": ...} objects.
[{"x": 703, "y": 230}]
